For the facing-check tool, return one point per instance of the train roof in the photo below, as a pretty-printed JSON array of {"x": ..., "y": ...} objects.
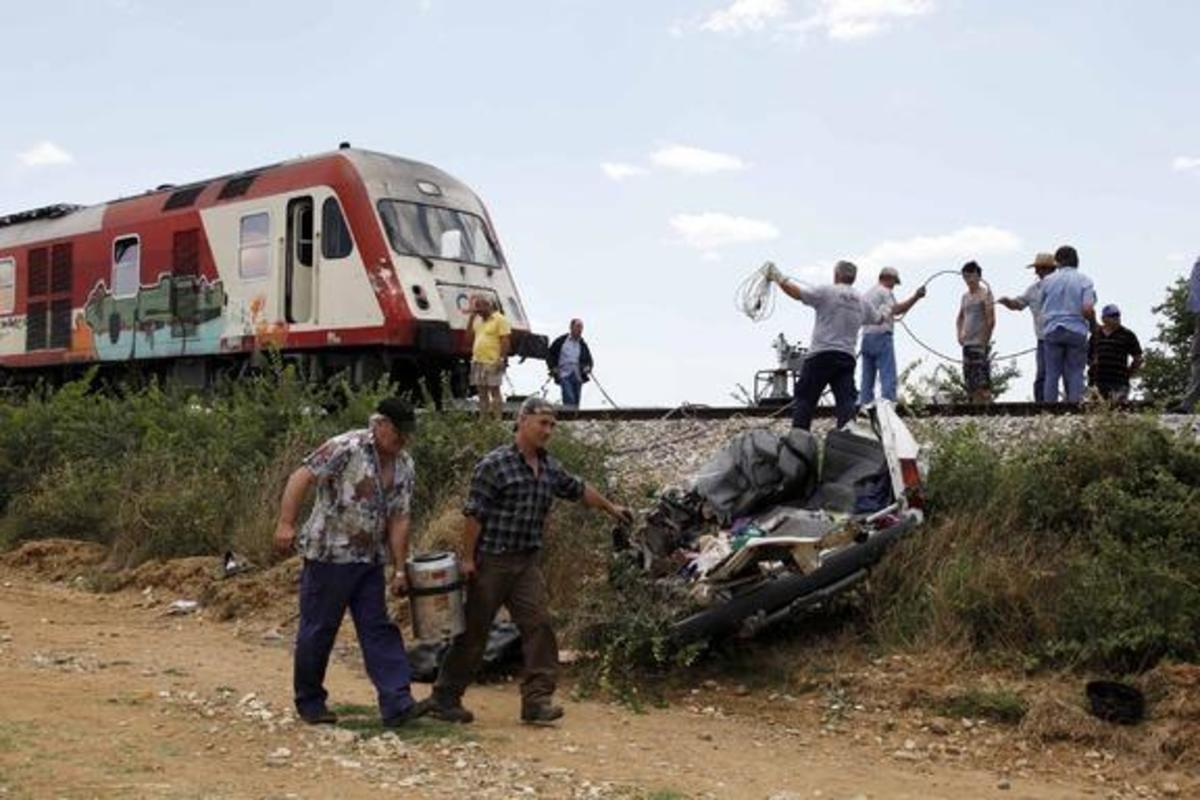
[{"x": 384, "y": 175}]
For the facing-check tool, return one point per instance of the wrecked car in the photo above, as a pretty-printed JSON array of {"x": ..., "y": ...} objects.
[{"x": 773, "y": 525}]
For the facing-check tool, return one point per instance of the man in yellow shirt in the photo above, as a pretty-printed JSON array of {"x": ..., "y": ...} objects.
[{"x": 489, "y": 353}]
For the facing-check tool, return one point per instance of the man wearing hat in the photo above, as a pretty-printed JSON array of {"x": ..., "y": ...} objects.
[
  {"x": 511, "y": 492},
  {"x": 359, "y": 520},
  {"x": 1043, "y": 264},
  {"x": 878, "y": 341},
  {"x": 1115, "y": 354}
]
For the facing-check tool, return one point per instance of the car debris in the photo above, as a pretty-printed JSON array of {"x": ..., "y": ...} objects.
[{"x": 776, "y": 524}]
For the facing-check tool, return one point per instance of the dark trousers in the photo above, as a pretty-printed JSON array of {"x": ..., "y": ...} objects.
[
  {"x": 512, "y": 580},
  {"x": 828, "y": 368},
  {"x": 326, "y": 590}
]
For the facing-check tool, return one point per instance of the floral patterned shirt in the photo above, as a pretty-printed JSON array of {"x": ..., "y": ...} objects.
[{"x": 349, "y": 519}]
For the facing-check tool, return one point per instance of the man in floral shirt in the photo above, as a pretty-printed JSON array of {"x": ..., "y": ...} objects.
[{"x": 364, "y": 485}]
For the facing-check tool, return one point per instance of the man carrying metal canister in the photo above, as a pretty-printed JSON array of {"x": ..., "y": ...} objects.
[
  {"x": 364, "y": 481},
  {"x": 511, "y": 493}
]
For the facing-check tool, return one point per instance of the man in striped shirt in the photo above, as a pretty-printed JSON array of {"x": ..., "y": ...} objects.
[{"x": 1116, "y": 355}]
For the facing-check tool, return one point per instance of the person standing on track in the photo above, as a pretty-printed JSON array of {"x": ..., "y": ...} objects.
[
  {"x": 491, "y": 337},
  {"x": 1068, "y": 311},
  {"x": 976, "y": 321},
  {"x": 570, "y": 364},
  {"x": 841, "y": 313},
  {"x": 1115, "y": 354},
  {"x": 1043, "y": 264},
  {"x": 878, "y": 341}
]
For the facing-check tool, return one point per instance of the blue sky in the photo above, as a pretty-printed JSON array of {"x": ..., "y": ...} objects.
[{"x": 639, "y": 159}]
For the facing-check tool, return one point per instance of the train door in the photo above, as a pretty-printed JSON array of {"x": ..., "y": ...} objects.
[{"x": 299, "y": 260}]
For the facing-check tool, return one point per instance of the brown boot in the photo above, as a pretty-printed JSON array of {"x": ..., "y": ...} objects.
[{"x": 448, "y": 707}]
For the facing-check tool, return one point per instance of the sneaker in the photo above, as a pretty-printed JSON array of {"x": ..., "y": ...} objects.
[
  {"x": 415, "y": 711},
  {"x": 322, "y": 717},
  {"x": 541, "y": 714}
]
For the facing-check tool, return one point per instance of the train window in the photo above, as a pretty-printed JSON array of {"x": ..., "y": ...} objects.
[
  {"x": 182, "y": 198},
  {"x": 8, "y": 285},
  {"x": 236, "y": 187},
  {"x": 436, "y": 232},
  {"x": 335, "y": 235},
  {"x": 254, "y": 246},
  {"x": 126, "y": 266}
]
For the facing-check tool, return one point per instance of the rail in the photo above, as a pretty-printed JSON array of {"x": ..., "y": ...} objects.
[{"x": 783, "y": 411}]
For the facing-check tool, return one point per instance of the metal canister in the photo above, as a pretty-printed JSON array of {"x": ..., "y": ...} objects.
[{"x": 435, "y": 592}]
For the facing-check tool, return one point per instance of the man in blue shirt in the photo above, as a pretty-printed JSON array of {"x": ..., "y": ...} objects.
[
  {"x": 1193, "y": 306},
  {"x": 1068, "y": 311}
]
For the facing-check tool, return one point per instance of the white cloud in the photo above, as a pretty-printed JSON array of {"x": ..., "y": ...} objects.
[
  {"x": 712, "y": 230},
  {"x": 841, "y": 20},
  {"x": 619, "y": 172},
  {"x": 1186, "y": 164},
  {"x": 860, "y": 19},
  {"x": 745, "y": 15},
  {"x": 45, "y": 154},
  {"x": 694, "y": 161},
  {"x": 965, "y": 243}
]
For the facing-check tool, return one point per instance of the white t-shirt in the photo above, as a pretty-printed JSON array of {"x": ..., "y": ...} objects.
[
  {"x": 882, "y": 300},
  {"x": 841, "y": 312}
]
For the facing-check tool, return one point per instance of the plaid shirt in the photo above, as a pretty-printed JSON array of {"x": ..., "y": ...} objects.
[
  {"x": 350, "y": 515},
  {"x": 511, "y": 502}
]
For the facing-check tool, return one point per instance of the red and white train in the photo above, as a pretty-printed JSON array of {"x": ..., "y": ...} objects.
[{"x": 348, "y": 261}]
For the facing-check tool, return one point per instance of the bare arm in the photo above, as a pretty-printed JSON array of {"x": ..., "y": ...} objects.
[
  {"x": 1011, "y": 304},
  {"x": 790, "y": 289},
  {"x": 398, "y": 544},
  {"x": 505, "y": 346},
  {"x": 902, "y": 308},
  {"x": 470, "y": 540},
  {"x": 289, "y": 507},
  {"x": 593, "y": 499},
  {"x": 989, "y": 320},
  {"x": 959, "y": 325},
  {"x": 1089, "y": 311}
]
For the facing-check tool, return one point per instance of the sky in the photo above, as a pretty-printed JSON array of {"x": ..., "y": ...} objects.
[{"x": 641, "y": 159}]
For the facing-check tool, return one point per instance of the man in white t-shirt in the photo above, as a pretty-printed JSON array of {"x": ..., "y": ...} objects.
[
  {"x": 878, "y": 341},
  {"x": 841, "y": 312}
]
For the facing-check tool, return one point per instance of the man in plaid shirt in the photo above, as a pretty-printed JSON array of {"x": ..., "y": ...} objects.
[{"x": 511, "y": 492}]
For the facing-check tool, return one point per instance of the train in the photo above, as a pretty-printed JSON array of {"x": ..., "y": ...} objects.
[{"x": 350, "y": 262}]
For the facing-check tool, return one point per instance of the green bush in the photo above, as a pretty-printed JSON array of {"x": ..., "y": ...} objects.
[{"x": 1076, "y": 550}]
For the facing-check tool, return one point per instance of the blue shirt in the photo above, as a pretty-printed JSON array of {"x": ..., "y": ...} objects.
[
  {"x": 1064, "y": 294},
  {"x": 1193, "y": 302},
  {"x": 568, "y": 359}
]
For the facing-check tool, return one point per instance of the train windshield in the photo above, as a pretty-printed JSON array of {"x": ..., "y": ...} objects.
[{"x": 435, "y": 232}]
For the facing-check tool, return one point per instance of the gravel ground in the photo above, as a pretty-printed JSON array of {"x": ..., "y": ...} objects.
[{"x": 667, "y": 452}]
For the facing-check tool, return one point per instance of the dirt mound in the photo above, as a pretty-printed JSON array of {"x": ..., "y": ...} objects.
[
  {"x": 56, "y": 559},
  {"x": 245, "y": 594}
]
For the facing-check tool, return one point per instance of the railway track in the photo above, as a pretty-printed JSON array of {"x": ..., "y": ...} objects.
[{"x": 783, "y": 411}]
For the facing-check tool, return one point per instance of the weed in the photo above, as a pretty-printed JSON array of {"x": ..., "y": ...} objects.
[
  {"x": 364, "y": 720},
  {"x": 998, "y": 705}
]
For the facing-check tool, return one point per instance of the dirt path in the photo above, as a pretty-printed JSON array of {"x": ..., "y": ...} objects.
[{"x": 105, "y": 696}]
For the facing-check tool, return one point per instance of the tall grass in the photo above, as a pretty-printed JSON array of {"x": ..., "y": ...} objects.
[
  {"x": 153, "y": 472},
  {"x": 1078, "y": 550}
]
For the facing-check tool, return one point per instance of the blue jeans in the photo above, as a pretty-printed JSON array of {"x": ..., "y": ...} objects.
[
  {"x": 572, "y": 389},
  {"x": 828, "y": 368},
  {"x": 878, "y": 355},
  {"x": 1066, "y": 360},
  {"x": 1039, "y": 379},
  {"x": 326, "y": 591}
]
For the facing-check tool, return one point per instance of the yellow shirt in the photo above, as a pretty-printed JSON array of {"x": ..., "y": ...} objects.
[{"x": 488, "y": 333}]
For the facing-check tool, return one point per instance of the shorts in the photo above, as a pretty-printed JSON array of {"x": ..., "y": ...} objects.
[
  {"x": 483, "y": 374},
  {"x": 977, "y": 368}
]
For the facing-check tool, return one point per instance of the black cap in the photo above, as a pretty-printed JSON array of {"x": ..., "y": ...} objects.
[{"x": 399, "y": 413}]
